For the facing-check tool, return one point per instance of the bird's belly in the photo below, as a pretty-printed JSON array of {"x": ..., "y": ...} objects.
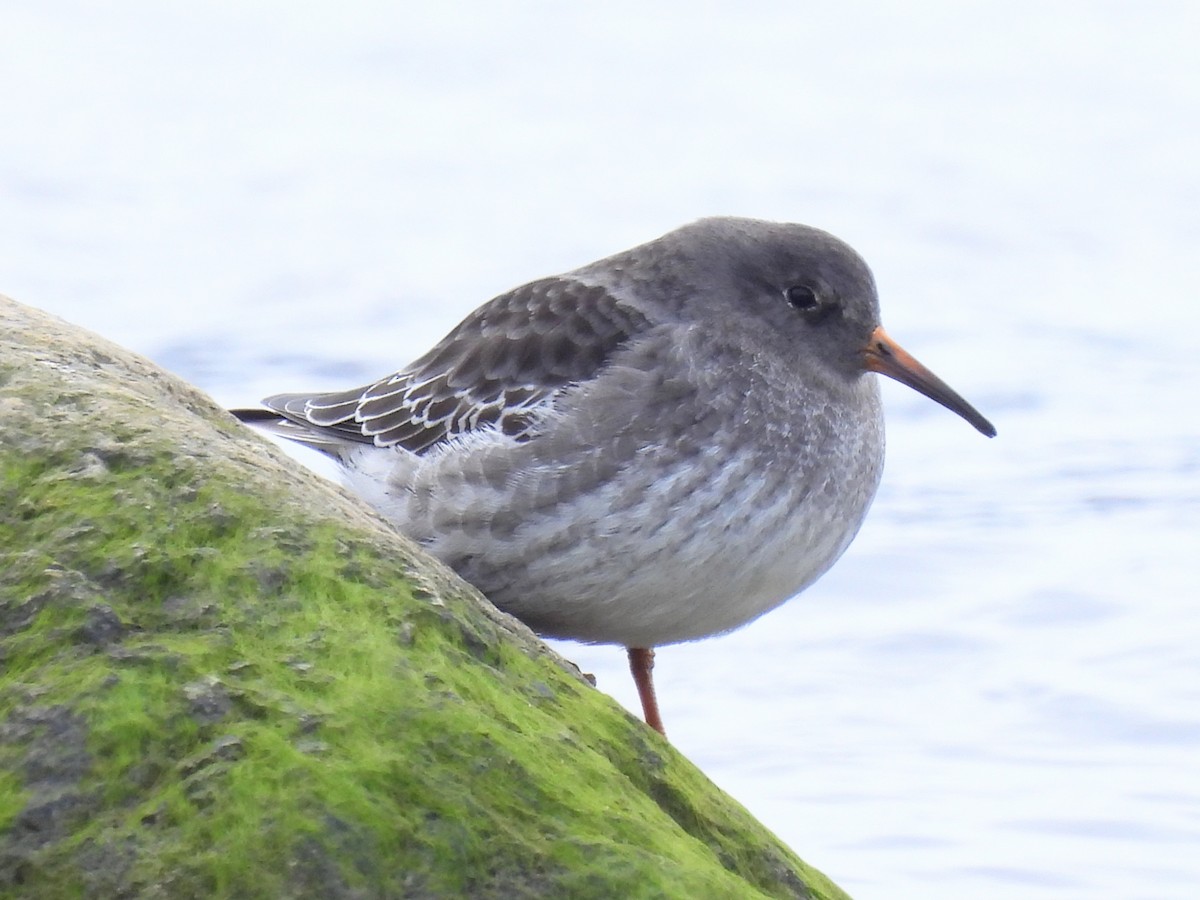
[
  {"x": 728, "y": 555},
  {"x": 659, "y": 556},
  {"x": 667, "y": 547}
]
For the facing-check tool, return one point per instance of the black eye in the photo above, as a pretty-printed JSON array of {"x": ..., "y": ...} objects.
[{"x": 802, "y": 297}]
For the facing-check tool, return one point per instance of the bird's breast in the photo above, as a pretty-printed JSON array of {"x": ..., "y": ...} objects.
[
  {"x": 681, "y": 521},
  {"x": 703, "y": 533}
]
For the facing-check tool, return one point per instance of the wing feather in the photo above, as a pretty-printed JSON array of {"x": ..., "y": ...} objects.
[{"x": 496, "y": 370}]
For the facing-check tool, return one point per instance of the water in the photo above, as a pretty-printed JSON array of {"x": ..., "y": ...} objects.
[{"x": 997, "y": 690}]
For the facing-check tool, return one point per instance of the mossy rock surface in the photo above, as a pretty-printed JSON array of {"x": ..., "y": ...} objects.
[{"x": 222, "y": 676}]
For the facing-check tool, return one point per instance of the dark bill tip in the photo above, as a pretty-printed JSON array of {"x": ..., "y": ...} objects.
[{"x": 885, "y": 356}]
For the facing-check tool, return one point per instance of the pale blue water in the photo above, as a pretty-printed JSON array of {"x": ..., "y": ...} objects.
[{"x": 997, "y": 691}]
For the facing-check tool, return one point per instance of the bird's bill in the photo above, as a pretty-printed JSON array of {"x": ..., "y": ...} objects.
[{"x": 885, "y": 356}]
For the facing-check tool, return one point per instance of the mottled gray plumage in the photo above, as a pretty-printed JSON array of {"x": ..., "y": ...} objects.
[
  {"x": 491, "y": 372},
  {"x": 659, "y": 446}
]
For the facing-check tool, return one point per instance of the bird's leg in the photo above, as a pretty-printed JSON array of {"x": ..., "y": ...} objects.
[{"x": 641, "y": 664}]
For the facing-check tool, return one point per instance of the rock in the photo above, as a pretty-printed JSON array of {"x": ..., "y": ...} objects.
[{"x": 221, "y": 675}]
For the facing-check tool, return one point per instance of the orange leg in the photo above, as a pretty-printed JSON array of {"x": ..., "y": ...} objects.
[{"x": 641, "y": 664}]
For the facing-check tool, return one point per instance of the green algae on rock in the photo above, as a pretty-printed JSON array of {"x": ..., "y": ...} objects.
[{"x": 221, "y": 675}]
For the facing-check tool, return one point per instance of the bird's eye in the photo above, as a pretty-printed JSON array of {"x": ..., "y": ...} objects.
[
  {"x": 813, "y": 307},
  {"x": 802, "y": 297}
]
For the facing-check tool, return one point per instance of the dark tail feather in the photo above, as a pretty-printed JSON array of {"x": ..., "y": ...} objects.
[
  {"x": 327, "y": 440},
  {"x": 255, "y": 415}
]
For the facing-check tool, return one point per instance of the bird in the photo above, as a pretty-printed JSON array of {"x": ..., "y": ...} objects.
[{"x": 657, "y": 447}]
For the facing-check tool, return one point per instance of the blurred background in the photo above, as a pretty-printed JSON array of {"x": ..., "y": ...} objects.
[{"x": 997, "y": 690}]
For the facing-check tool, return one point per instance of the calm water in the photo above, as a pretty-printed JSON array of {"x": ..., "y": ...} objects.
[{"x": 997, "y": 691}]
